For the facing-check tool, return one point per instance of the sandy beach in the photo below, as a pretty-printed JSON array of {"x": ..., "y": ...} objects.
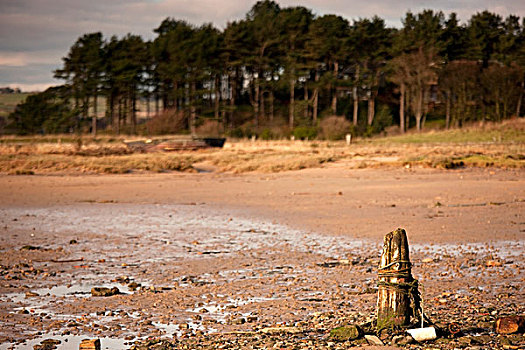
[{"x": 199, "y": 256}]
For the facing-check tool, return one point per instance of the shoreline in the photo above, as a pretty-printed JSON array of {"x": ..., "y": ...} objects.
[{"x": 469, "y": 205}]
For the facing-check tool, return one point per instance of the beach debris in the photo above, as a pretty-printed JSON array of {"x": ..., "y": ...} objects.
[
  {"x": 454, "y": 329},
  {"x": 345, "y": 333},
  {"x": 104, "y": 291},
  {"x": 373, "y": 340},
  {"x": 334, "y": 263},
  {"x": 89, "y": 344},
  {"x": 510, "y": 324},
  {"x": 423, "y": 334},
  {"x": 398, "y": 295}
]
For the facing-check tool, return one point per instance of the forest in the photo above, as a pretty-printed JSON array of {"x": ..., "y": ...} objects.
[{"x": 284, "y": 71}]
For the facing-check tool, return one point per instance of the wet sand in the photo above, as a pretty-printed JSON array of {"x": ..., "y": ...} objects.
[{"x": 218, "y": 253}]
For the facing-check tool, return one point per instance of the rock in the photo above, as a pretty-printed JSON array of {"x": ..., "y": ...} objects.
[
  {"x": 134, "y": 286},
  {"x": 427, "y": 260},
  {"x": 89, "y": 344},
  {"x": 240, "y": 320},
  {"x": 47, "y": 344},
  {"x": 345, "y": 333},
  {"x": 104, "y": 291},
  {"x": 403, "y": 340},
  {"x": 510, "y": 324},
  {"x": 30, "y": 247},
  {"x": 493, "y": 263},
  {"x": 31, "y": 294},
  {"x": 373, "y": 340},
  {"x": 251, "y": 318}
]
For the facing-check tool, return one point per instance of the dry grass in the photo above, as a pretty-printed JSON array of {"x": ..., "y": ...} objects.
[{"x": 456, "y": 148}]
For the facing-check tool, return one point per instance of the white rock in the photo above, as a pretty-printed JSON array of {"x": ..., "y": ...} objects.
[{"x": 423, "y": 334}]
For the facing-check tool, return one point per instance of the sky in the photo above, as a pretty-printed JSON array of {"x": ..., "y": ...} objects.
[{"x": 36, "y": 34}]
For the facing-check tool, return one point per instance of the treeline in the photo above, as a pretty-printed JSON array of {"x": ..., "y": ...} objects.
[{"x": 282, "y": 71}]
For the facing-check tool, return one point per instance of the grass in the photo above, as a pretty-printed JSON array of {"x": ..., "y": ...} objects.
[
  {"x": 508, "y": 131},
  {"x": 493, "y": 145}
]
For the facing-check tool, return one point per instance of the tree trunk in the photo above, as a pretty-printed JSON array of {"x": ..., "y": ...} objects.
[
  {"x": 419, "y": 109},
  {"x": 520, "y": 98},
  {"x": 111, "y": 110},
  {"x": 498, "y": 117},
  {"x": 262, "y": 105},
  {"x": 148, "y": 107},
  {"x": 397, "y": 288},
  {"x": 133, "y": 107},
  {"x": 256, "y": 103},
  {"x": 164, "y": 100},
  {"x": 193, "y": 111},
  {"x": 356, "y": 97},
  {"x": 371, "y": 109},
  {"x": 124, "y": 110},
  {"x": 305, "y": 101},
  {"x": 316, "y": 98},
  {"x": 119, "y": 115},
  {"x": 232, "y": 100},
  {"x": 425, "y": 107},
  {"x": 402, "y": 108},
  {"x": 175, "y": 97},
  {"x": 271, "y": 106},
  {"x": 447, "y": 110},
  {"x": 94, "y": 118},
  {"x": 334, "y": 97},
  {"x": 217, "y": 97},
  {"x": 291, "y": 110}
]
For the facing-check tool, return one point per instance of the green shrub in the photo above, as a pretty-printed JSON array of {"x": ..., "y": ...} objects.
[
  {"x": 305, "y": 133},
  {"x": 266, "y": 135}
]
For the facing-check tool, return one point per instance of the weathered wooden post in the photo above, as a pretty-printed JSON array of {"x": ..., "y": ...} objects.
[{"x": 398, "y": 295}]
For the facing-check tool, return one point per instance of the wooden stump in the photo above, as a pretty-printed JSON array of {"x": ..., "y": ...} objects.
[{"x": 398, "y": 296}]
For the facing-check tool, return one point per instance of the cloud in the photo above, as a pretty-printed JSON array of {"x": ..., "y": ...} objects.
[
  {"x": 25, "y": 58},
  {"x": 34, "y": 34}
]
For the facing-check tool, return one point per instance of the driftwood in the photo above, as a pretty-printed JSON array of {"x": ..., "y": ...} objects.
[{"x": 398, "y": 296}]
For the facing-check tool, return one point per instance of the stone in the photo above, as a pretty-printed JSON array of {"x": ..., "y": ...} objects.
[
  {"x": 47, "y": 344},
  {"x": 104, "y": 291},
  {"x": 89, "y": 344},
  {"x": 510, "y": 324},
  {"x": 402, "y": 340},
  {"x": 345, "y": 333},
  {"x": 493, "y": 263},
  {"x": 373, "y": 340}
]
